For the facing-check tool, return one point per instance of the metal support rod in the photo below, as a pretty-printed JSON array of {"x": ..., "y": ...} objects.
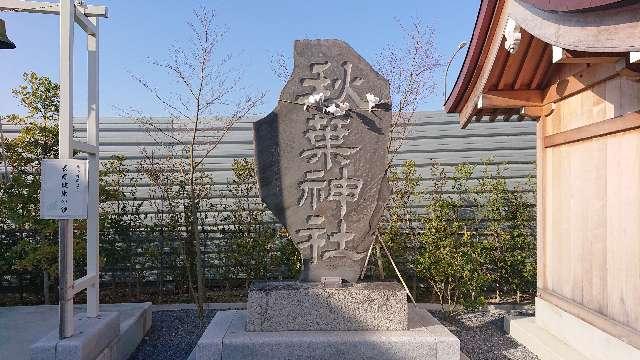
[{"x": 65, "y": 129}]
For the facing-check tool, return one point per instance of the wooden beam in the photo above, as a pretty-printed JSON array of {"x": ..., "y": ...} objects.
[
  {"x": 65, "y": 151},
  {"x": 510, "y": 99},
  {"x": 93, "y": 139},
  {"x": 627, "y": 122},
  {"x": 493, "y": 116},
  {"x": 531, "y": 111},
  {"x": 84, "y": 22},
  {"x": 613, "y": 328},
  {"x": 494, "y": 42},
  {"x": 39, "y": 7},
  {"x": 582, "y": 80},
  {"x": 563, "y": 56},
  {"x": 543, "y": 65},
  {"x": 530, "y": 65},
  {"x": 84, "y": 282},
  {"x": 537, "y": 111}
]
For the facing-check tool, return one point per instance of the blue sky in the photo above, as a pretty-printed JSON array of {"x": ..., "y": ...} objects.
[{"x": 142, "y": 30}]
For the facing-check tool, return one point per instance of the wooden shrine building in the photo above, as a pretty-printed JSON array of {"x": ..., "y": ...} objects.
[{"x": 574, "y": 67}]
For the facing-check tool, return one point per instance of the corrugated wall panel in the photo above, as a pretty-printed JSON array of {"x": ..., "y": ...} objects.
[{"x": 433, "y": 136}]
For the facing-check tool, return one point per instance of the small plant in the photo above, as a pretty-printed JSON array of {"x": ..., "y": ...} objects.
[
  {"x": 508, "y": 236},
  {"x": 401, "y": 223},
  {"x": 256, "y": 248},
  {"x": 451, "y": 260},
  {"x": 207, "y": 86}
]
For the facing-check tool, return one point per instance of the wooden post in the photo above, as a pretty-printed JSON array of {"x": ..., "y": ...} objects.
[
  {"x": 86, "y": 16},
  {"x": 65, "y": 137},
  {"x": 93, "y": 120}
]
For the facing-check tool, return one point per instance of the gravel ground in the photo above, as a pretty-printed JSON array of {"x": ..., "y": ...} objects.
[
  {"x": 482, "y": 336},
  {"x": 172, "y": 336}
]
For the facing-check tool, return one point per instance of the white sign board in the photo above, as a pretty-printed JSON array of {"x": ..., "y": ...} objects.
[{"x": 63, "y": 189}]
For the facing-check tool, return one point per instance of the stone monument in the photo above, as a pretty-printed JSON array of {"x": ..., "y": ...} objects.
[{"x": 321, "y": 159}]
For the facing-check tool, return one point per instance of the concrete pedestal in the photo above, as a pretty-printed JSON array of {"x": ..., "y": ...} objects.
[
  {"x": 227, "y": 338},
  {"x": 297, "y": 306},
  {"x": 35, "y": 329},
  {"x": 554, "y": 334},
  {"x": 94, "y": 338}
]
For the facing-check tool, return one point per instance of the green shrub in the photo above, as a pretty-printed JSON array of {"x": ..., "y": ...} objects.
[
  {"x": 508, "y": 235},
  {"x": 400, "y": 225},
  {"x": 256, "y": 248},
  {"x": 450, "y": 260}
]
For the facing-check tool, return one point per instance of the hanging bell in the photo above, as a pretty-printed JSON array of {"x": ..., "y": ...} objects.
[{"x": 5, "y": 43}]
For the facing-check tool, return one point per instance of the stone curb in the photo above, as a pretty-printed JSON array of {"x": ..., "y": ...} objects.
[{"x": 243, "y": 306}]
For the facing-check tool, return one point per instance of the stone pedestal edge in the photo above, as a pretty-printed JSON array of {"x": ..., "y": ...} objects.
[
  {"x": 94, "y": 338},
  {"x": 226, "y": 339}
]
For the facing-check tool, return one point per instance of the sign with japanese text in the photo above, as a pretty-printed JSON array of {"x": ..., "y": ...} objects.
[
  {"x": 321, "y": 158},
  {"x": 63, "y": 189}
]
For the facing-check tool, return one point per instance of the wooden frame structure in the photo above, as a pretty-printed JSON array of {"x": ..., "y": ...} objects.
[
  {"x": 574, "y": 66},
  {"x": 86, "y": 17}
]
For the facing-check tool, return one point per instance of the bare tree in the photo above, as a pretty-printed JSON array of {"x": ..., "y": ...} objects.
[
  {"x": 409, "y": 66},
  {"x": 203, "y": 106},
  {"x": 281, "y": 66}
]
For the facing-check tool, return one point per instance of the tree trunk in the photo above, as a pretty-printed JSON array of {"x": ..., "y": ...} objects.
[
  {"x": 45, "y": 287},
  {"x": 161, "y": 265},
  {"x": 195, "y": 230},
  {"x": 20, "y": 288}
]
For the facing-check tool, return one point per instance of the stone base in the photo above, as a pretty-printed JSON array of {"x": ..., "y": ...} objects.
[
  {"x": 36, "y": 336},
  {"x": 226, "y": 338},
  {"x": 298, "y": 306},
  {"x": 539, "y": 341},
  {"x": 555, "y": 334},
  {"x": 94, "y": 338}
]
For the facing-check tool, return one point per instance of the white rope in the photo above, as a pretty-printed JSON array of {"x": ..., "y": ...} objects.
[
  {"x": 364, "y": 268},
  {"x": 396, "y": 269}
]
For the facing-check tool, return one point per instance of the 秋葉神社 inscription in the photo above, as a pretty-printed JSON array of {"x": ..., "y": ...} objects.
[{"x": 321, "y": 157}]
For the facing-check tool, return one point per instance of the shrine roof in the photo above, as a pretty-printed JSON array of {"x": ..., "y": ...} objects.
[{"x": 592, "y": 26}]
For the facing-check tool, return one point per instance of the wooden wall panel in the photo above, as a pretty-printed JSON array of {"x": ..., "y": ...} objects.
[
  {"x": 594, "y": 253},
  {"x": 591, "y": 205},
  {"x": 623, "y": 228}
]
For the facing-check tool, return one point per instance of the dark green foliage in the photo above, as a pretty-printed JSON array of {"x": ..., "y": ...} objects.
[
  {"x": 30, "y": 243},
  {"x": 451, "y": 258},
  {"x": 508, "y": 235},
  {"x": 476, "y": 234},
  {"x": 256, "y": 248}
]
